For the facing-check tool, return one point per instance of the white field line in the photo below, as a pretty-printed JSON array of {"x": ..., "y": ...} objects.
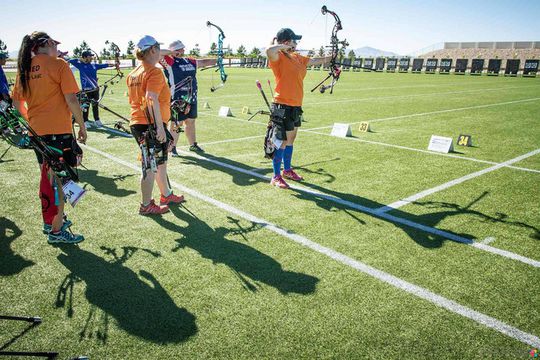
[
  {"x": 382, "y": 215},
  {"x": 498, "y": 89},
  {"x": 113, "y": 131},
  {"x": 228, "y": 140},
  {"x": 434, "y": 112},
  {"x": 424, "y": 151},
  {"x": 488, "y": 240},
  {"x": 420, "y": 195},
  {"x": 394, "y": 281}
]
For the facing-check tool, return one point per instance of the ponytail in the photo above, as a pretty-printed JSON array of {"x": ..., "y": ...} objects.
[{"x": 29, "y": 45}]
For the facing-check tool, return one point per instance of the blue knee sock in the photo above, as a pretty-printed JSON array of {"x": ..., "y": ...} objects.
[
  {"x": 278, "y": 156},
  {"x": 287, "y": 156}
]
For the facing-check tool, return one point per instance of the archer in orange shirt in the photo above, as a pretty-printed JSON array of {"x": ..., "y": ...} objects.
[
  {"x": 289, "y": 70},
  {"x": 47, "y": 86},
  {"x": 149, "y": 94}
]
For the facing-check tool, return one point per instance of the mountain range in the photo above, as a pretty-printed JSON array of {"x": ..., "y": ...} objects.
[{"x": 367, "y": 51}]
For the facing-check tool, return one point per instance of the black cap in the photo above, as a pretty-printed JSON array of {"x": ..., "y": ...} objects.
[
  {"x": 86, "y": 53},
  {"x": 287, "y": 34}
]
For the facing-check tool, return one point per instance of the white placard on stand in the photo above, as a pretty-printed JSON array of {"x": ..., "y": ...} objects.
[
  {"x": 73, "y": 192},
  {"x": 441, "y": 144},
  {"x": 225, "y": 111},
  {"x": 341, "y": 130}
]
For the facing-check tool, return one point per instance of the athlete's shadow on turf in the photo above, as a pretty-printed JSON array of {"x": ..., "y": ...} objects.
[
  {"x": 451, "y": 209},
  {"x": 241, "y": 179},
  {"x": 10, "y": 263},
  {"x": 251, "y": 266},
  {"x": 138, "y": 303},
  {"x": 104, "y": 184}
]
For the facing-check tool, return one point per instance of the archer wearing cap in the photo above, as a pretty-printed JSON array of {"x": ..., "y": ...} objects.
[
  {"x": 289, "y": 68},
  {"x": 181, "y": 75},
  {"x": 89, "y": 84},
  {"x": 4, "y": 85},
  {"x": 148, "y": 93},
  {"x": 45, "y": 94}
]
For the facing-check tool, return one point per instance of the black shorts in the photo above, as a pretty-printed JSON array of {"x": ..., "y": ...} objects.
[
  {"x": 138, "y": 132},
  {"x": 286, "y": 118},
  {"x": 64, "y": 142},
  {"x": 192, "y": 114}
]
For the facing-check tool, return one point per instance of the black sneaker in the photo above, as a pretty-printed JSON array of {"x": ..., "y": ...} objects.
[
  {"x": 174, "y": 152},
  {"x": 196, "y": 148}
]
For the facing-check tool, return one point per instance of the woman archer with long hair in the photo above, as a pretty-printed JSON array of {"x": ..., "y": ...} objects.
[{"x": 47, "y": 86}]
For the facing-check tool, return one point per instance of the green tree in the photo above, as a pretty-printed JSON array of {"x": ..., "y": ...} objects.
[
  {"x": 255, "y": 52},
  {"x": 77, "y": 52},
  {"x": 3, "y": 47},
  {"x": 105, "y": 52},
  {"x": 130, "y": 48},
  {"x": 351, "y": 55},
  {"x": 241, "y": 51},
  {"x": 213, "y": 49},
  {"x": 196, "y": 51},
  {"x": 311, "y": 53},
  {"x": 322, "y": 52}
]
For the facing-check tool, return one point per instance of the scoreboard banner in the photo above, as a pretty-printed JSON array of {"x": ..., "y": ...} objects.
[
  {"x": 391, "y": 65},
  {"x": 446, "y": 66},
  {"x": 357, "y": 62},
  {"x": 404, "y": 64},
  {"x": 417, "y": 65},
  {"x": 346, "y": 64},
  {"x": 512, "y": 67},
  {"x": 379, "y": 64},
  {"x": 368, "y": 63},
  {"x": 461, "y": 66},
  {"x": 431, "y": 66},
  {"x": 494, "y": 66},
  {"x": 477, "y": 66},
  {"x": 531, "y": 67}
]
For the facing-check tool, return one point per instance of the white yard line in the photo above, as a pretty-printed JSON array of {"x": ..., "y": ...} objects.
[
  {"x": 228, "y": 140},
  {"x": 376, "y": 213},
  {"x": 422, "y": 194},
  {"x": 433, "y": 112},
  {"x": 394, "y": 281},
  {"x": 488, "y": 240},
  {"x": 423, "y": 151},
  {"x": 113, "y": 131}
]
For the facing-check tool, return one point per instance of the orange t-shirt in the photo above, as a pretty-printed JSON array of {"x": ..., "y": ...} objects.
[
  {"x": 289, "y": 73},
  {"x": 147, "y": 78},
  {"x": 50, "y": 79}
]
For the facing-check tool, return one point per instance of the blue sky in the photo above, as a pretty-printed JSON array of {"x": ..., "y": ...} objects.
[{"x": 401, "y": 26}]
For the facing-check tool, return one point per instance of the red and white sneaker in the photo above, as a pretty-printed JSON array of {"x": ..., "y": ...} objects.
[
  {"x": 153, "y": 209},
  {"x": 279, "y": 182},
  {"x": 290, "y": 174},
  {"x": 171, "y": 199}
]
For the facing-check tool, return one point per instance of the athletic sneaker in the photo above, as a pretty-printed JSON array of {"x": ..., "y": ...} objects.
[
  {"x": 153, "y": 209},
  {"x": 195, "y": 147},
  {"x": 88, "y": 125},
  {"x": 171, "y": 199},
  {"x": 174, "y": 153},
  {"x": 64, "y": 237},
  {"x": 47, "y": 228},
  {"x": 279, "y": 182},
  {"x": 290, "y": 174},
  {"x": 98, "y": 123}
]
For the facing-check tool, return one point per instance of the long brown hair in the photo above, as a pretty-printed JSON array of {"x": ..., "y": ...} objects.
[{"x": 30, "y": 43}]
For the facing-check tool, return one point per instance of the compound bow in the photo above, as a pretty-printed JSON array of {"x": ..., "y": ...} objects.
[
  {"x": 219, "y": 62},
  {"x": 335, "y": 66},
  {"x": 21, "y": 135}
]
